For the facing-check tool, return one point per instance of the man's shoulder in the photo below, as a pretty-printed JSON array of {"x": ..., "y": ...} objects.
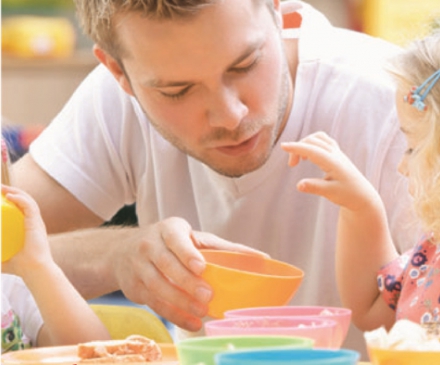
[
  {"x": 359, "y": 46},
  {"x": 323, "y": 43},
  {"x": 100, "y": 94},
  {"x": 352, "y": 58},
  {"x": 102, "y": 78}
]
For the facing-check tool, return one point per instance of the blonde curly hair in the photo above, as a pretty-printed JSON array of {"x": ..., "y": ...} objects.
[
  {"x": 96, "y": 17},
  {"x": 413, "y": 67}
]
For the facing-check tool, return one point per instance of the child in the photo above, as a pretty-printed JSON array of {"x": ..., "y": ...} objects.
[
  {"x": 55, "y": 313},
  {"x": 410, "y": 283}
]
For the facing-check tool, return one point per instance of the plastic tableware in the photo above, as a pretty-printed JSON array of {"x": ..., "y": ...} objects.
[
  {"x": 201, "y": 350},
  {"x": 68, "y": 355},
  {"x": 338, "y": 314},
  {"x": 288, "y": 357},
  {"x": 320, "y": 330},
  {"x": 241, "y": 280},
  {"x": 380, "y": 356},
  {"x": 406, "y": 343},
  {"x": 12, "y": 229}
]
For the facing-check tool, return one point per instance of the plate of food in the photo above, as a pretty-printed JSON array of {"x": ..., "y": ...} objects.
[{"x": 134, "y": 349}]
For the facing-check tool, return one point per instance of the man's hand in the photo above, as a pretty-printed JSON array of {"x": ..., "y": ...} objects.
[{"x": 161, "y": 268}]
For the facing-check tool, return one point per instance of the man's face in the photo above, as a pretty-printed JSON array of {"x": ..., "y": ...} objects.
[{"x": 215, "y": 85}]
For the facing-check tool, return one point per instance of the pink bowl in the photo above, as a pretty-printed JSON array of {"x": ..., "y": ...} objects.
[
  {"x": 338, "y": 314},
  {"x": 321, "y": 331}
]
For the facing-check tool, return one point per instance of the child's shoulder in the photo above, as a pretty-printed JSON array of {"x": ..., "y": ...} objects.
[{"x": 11, "y": 282}]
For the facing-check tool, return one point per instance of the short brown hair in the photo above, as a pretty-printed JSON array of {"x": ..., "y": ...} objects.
[{"x": 96, "y": 16}]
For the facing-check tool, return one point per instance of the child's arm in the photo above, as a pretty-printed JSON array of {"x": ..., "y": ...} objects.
[
  {"x": 364, "y": 243},
  {"x": 67, "y": 317}
]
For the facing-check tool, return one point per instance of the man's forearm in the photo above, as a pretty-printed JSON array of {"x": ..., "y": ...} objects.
[{"x": 87, "y": 257}]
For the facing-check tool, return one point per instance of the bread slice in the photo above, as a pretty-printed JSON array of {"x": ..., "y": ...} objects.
[{"x": 134, "y": 348}]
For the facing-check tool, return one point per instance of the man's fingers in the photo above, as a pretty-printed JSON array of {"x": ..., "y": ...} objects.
[
  {"x": 211, "y": 241},
  {"x": 176, "y": 235},
  {"x": 176, "y": 315},
  {"x": 152, "y": 287}
]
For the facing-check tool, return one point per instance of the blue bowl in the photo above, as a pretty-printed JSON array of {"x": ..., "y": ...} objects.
[{"x": 288, "y": 357}]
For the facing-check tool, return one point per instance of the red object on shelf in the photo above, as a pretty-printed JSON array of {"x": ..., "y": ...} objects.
[{"x": 19, "y": 138}]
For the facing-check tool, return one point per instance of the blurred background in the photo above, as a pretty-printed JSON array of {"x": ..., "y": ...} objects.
[{"x": 45, "y": 56}]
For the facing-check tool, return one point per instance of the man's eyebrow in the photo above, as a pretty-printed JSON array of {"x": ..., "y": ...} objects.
[
  {"x": 248, "y": 51},
  {"x": 160, "y": 83}
]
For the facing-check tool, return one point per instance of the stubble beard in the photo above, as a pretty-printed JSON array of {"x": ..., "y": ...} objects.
[{"x": 242, "y": 167}]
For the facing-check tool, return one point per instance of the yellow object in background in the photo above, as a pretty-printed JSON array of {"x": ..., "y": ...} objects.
[
  {"x": 400, "y": 21},
  {"x": 12, "y": 229},
  {"x": 37, "y": 37},
  {"x": 122, "y": 321}
]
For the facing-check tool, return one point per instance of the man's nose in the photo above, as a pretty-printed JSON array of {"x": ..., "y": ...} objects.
[{"x": 226, "y": 109}]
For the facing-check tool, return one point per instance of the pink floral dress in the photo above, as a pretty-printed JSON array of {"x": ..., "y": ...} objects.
[{"x": 411, "y": 284}]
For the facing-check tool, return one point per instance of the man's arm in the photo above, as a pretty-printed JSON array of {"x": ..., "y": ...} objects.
[
  {"x": 158, "y": 265},
  {"x": 60, "y": 210},
  {"x": 75, "y": 251},
  {"x": 154, "y": 265}
]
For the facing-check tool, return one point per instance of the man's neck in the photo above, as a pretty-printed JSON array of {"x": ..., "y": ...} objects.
[{"x": 291, "y": 49}]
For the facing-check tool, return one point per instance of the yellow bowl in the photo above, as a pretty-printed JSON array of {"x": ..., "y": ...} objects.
[
  {"x": 12, "y": 229},
  {"x": 380, "y": 356},
  {"x": 242, "y": 280}
]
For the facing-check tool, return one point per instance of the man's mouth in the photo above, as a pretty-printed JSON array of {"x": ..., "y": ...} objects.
[{"x": 240, "y": 148}]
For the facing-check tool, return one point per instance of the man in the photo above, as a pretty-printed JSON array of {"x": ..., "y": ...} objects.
[{"x": 185, "y": 117}]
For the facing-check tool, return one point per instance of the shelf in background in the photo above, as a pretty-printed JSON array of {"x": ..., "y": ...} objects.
[{"x": 35, "y": 90}]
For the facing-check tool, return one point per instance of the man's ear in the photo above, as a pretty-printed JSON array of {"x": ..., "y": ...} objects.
[{"x": 114, "y": 67}]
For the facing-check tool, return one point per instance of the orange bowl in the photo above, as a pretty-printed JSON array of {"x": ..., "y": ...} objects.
[
  {"x": 380, "y": 356},
  {"x": 241, "y": 280}
]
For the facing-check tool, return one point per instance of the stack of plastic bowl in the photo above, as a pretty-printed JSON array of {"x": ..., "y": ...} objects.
[
  {"x": 342, "y": 316},
  {"x": 202, "y": 350},
  {"x": 288, "y": 357},
  {"x": 242, "y": 281},
  {"x": 322, "y": 331}
]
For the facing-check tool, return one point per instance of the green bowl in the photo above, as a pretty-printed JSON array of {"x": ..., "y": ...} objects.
[{"x": 202, "y": 350}]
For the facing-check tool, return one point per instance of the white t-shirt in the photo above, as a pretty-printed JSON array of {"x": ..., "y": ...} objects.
[
  {"x": 21, "y": 319},
  {"x": 102, "y": 148}
]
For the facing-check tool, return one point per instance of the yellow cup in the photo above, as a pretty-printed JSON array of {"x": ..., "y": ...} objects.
[{"x": 12, "y": 229}]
